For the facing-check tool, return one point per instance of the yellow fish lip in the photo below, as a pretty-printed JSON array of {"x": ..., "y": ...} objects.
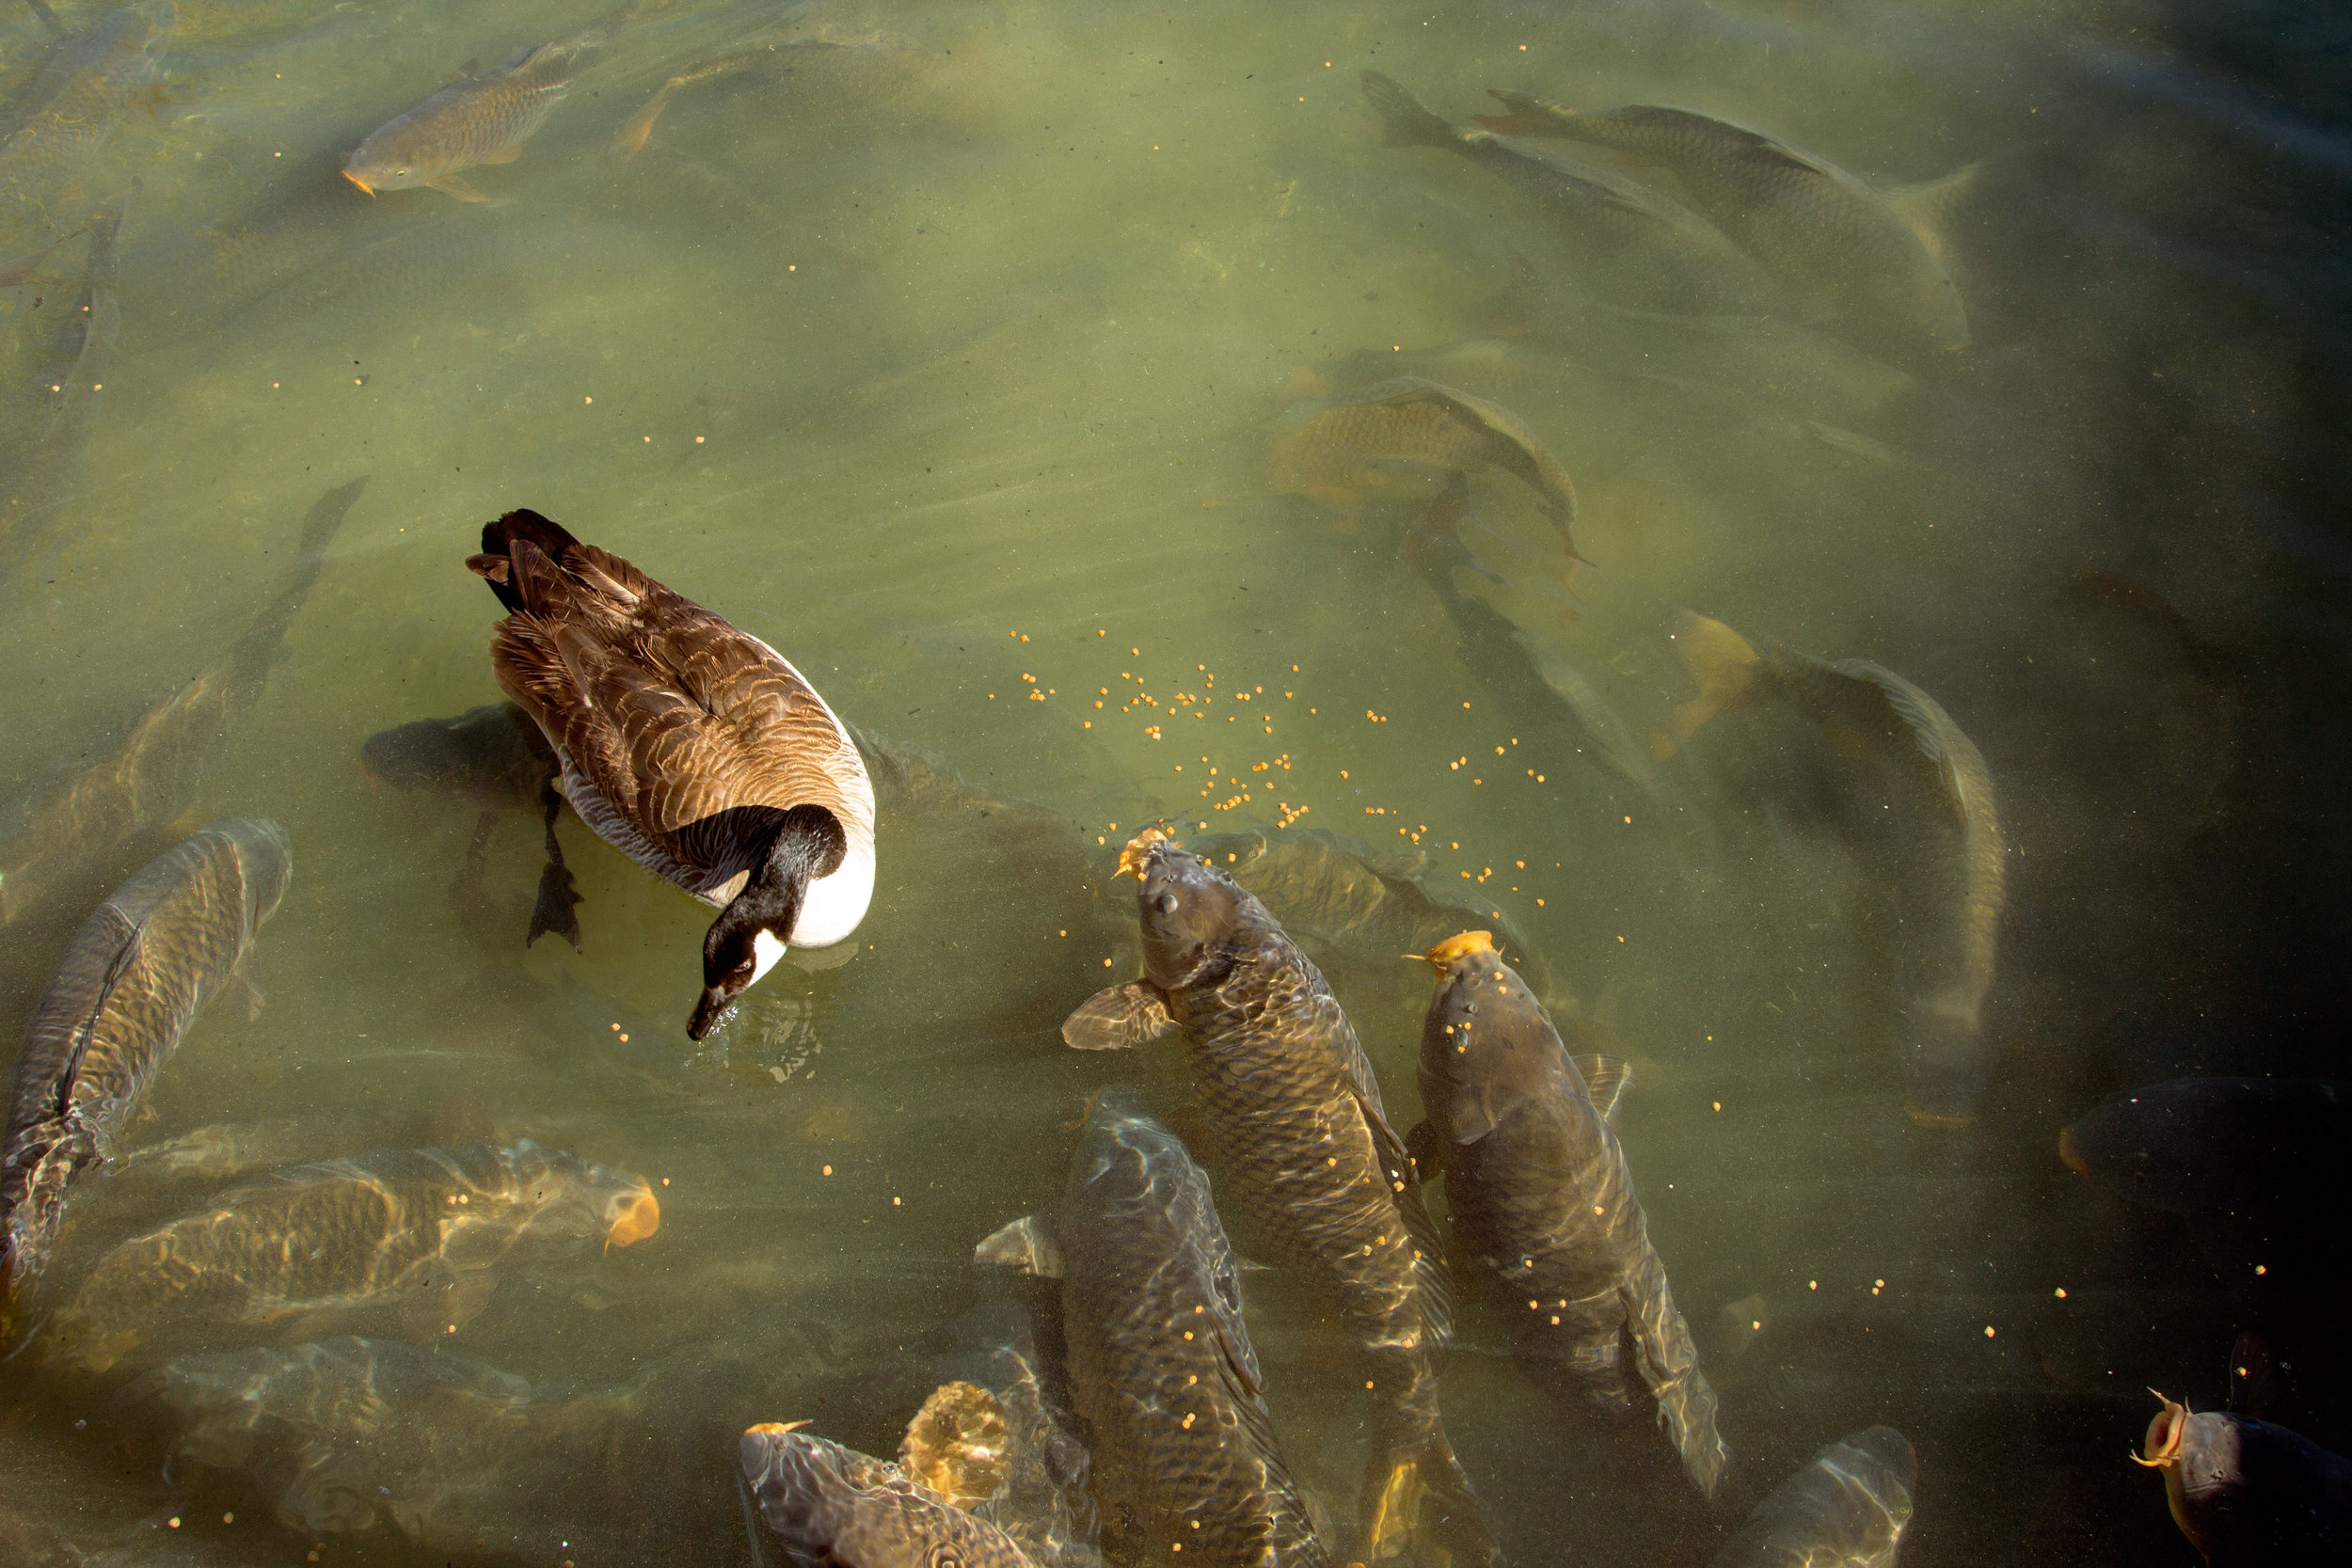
[
  {"x": 639, "y": 1220},
  {"x": 1137, "y": 851},
  {"x": 1443, "y": 956},
  {"x": 357, "y": 181}
]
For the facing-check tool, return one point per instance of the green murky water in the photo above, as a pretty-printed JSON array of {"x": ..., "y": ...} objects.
[{"x": 947, "y": 361}]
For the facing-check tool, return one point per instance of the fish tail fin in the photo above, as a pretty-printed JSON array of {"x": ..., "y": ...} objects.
[
  {"x": 1418, "y": 1502},
  {"x": 1407, "y": 123},
  {"x": 1529, "y": 115},
  {"x": 1668, "y": 1361},
  {"x": 1722, "y": 661},
  {"x": 631, "y": 138}
]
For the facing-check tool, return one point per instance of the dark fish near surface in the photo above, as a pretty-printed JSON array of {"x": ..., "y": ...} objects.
[
  {"x": 1544, "y": 1210},
  {"x": 1646, "y": 244},
  {"x": 2248, "y": 1492},
  {"x": 1846, "y": 1510},
  {"x": 347, "y": 1436},
  {"x": 1358, "y": 442},
  {"x": 1916, "y": 801},
  {"x": 68, "y": 109},
  {"x": 483, "y": 119},
  {"x": 422, "y": 1229},
  {"x": 130, "y": 982},
  {"x": 1344, "y": 899},
  {"x": 1161, "y": 1367},
  {"x": 72, "y": 834},
  {"x": 1799, "y": 213},
  {"x": 21, "y": 270},
  {"x": 2255, "y": 1165},
  {"x": 825, "y": 1506},
  {"x": 494, "y": 756},
  {"x": 45, "y": 425},
  {"x": 777, "y": 56},
  {"x": 1304, "y": 1146}
]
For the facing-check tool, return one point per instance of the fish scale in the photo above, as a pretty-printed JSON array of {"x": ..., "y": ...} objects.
[
  {"x": 1305, "y": 1147},
  {"x": 341, "y": 1234},
  {"x": 480, "y": 120},
  {"x": 131, "y": 981},
  {"x": 1543, "y": 1203},
  {"x": 1183, "y": 1451}
]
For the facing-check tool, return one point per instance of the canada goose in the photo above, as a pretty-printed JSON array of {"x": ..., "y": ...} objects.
[{"x": 692, "y": 748}]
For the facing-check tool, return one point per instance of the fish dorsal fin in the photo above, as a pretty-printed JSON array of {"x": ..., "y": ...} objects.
[
  {"x": 130, "y": 938},
  {"x": 1026, "y": 1245},
  {"x": 1875, "y": 699},
  {"x": 2253, "y": 1378},
  {"x": 1118, "y": 1019},
  {"x": 1606, "y": 1079},
  {"x": 1927, "y": 208}
]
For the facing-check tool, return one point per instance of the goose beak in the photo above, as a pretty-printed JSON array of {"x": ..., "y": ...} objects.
[{"x": 711, "y": 1012}]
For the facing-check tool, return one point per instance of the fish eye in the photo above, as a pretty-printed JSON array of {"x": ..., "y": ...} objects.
[{"x": 1167, "y": 903}]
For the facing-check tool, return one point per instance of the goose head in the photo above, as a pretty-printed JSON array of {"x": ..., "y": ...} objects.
[{"x": 752, "y": 931}]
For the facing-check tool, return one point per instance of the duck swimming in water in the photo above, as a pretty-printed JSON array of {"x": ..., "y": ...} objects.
[{"x": 692, "y": 748}]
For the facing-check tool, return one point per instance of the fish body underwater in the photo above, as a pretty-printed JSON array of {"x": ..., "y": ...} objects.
[
  {"x": 1848, "y": 1508},
  {"x": 131, "y": 981},
  {"x": 483, "y": 119},
  {"x": 1629, "y": 239},
  {"x": 1407, "y": 435},
  {"x": 492, "y": 756},
  {"x": 1910, "y": 793},
  {"x": 68, "y": 837},
  {"x": 68, "y": 109},
  {"x": 1797, "y": 212},
  {"x": 1304, "y": 1146},
  {"x": 353, "y": 1437},
  {"x": 820, "y": 1505},
  {"x": 1161, "y": 1367},
  {"x": 1544, "y": 1211},
  {"x": 2255, "y": 1148},
  {"x": 418, "y": 1230}
]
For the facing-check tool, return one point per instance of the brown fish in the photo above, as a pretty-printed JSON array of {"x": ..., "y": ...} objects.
[
  {"x": 1848, "y": 1508},
  {"x": 1795, "y": 211},
  {"x": 72, "y": 101},
  {"x": 2246, "y": 1491},
  {"x": 1544, "y": 1210},
  {"x": 1360, "y": 441},
  {"x": 421, "y": 1229},
  {"x": 366, "y": 1438},
  {"x": 1645, "y": 244},
  {"x": 483, "y": 119},
  {"x": 66, "y": 842},
  {"x": 1305, "y": 1147},
  {"x": 823, "y": 1503},
  {"x": 494, "y": 756},
  {"x": 1183, "y": 1457},
  {"x": 130, "y": 982},
  {"x": 1914, "y": 800}
]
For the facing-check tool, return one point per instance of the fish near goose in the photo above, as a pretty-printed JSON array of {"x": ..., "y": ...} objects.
[{"x": 694, "y": 749}]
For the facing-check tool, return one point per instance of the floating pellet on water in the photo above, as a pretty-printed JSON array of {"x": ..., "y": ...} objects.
[
  {"x": 2061, "y": 1292},
  {"x": 624, "y": 1038},
  {"x": 1106, "y": 963},
  {"x": 587, "y": 400},
  {"x": 172, "y": 1523},
  {"x": 1988, "y": 1331},
  {"x": 1719, "y": 1104},
  {"x": 229, "y": 1518},
  {"x": 616, "y": 1028},
  {"x": 827, "y": 1171},
  {"x": 1815, "y": 1285},
  {"x": 895, "y": 1203},
  {"x": 2261, "y": 1269},
  {"x": 698, "y": 440}
]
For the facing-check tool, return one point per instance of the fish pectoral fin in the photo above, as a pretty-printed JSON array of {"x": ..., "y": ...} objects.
[
  {"x": 1027, "y": 1245},
  {"x": 1927, "y": 208},
  {"x": 443, "y": 1300},
  {"x": 1119, "y": 1018},
  {"x": 450, "y": 184},
  {"x": 1606, "y": 1079},
  {"x": 505, "y": 154},
  {"x": 1426, "y": 1149}
]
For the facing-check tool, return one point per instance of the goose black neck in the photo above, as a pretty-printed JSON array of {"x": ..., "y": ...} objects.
[{"x": 807, "y": 843}]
